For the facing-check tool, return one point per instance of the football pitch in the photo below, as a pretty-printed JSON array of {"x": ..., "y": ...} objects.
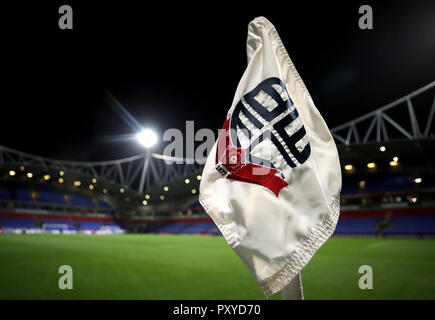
[{"x": 203, "y": 267}]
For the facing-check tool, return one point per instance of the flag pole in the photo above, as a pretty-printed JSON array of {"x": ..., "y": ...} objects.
[{"x": 294, "y": 290}]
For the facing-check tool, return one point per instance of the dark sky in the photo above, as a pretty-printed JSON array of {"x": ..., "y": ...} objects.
[{"x": 168, "y": 63}]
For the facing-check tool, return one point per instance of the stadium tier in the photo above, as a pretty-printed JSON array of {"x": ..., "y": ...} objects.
[
  {"x": 403, "y": 221},
  {"x": 20, "y": 193},
  {"x": 373, "y": 203},
  {"x": 45, "y": 223}
]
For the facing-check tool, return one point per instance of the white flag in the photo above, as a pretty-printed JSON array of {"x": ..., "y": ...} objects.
[{"x": 272, "y": 181}]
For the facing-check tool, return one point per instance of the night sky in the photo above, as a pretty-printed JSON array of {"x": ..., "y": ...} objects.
[{"x": 168, "y": 63}]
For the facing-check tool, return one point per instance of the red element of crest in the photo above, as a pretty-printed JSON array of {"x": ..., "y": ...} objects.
[{"x": 234, "y": 160}]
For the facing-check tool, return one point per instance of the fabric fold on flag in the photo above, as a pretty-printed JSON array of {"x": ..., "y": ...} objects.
[{"x": 272, "y": 181}]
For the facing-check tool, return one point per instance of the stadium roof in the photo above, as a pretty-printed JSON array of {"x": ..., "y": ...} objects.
[{"x": 412, "y": 155}]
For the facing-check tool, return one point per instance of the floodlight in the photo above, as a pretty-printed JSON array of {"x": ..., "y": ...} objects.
[
  {"x": 371, "y": 165},
  {"x": 147, "y": 138}
]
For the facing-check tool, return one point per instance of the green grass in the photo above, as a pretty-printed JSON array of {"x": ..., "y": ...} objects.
[{"x": 199, "y": 267}]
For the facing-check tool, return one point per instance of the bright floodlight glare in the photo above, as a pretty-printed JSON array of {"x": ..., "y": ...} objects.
[
  {"x": 394, "y": 163},
  {"x": 147, "y": 138}
]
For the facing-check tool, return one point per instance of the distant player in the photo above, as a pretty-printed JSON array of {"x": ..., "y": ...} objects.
[{"x": 384, "y": 224}]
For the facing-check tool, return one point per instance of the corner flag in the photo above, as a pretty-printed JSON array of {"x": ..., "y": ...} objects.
[{"x": 272, "y": 180}]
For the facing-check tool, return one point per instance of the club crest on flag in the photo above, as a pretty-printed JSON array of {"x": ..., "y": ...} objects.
[
  {"x": 263, "y": 138},
  {"x": 272, "y": 181}
]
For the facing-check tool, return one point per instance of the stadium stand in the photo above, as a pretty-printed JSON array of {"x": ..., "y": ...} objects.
[
  {"x": 184, "y": 226},
  {"x": 385, "y": 201},
  {"x": 51, "y": 197},
  {"x": 5, "y": 194},
  {"x": 22, "y": 195},
  {"x": 384, "y": 205},
  {"x": 14, "y": 222},
  {"x": 80, "y": 201},
  {"x": 402, "y": 221},
  {"x": 19, "y": 193}
]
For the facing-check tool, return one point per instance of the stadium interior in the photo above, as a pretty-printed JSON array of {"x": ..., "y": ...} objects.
[
  {"x": 92, "y": 206},
  {"x": 388, "y": 185}
]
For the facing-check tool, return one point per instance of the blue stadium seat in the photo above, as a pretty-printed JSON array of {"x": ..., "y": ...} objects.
[
  {"x": 184, "y": 228},
  {"x": 350, "y": 184},
  {"x": 214, "y": 230},
  {"x": 5, "y": 194},
  {"x": 357, "y": 225},
  {"x": 195, "y": 228},
  {"x": 93, "y": 225},
  {"x": 103, "y": 205},
  {"x": 195, "y": 205},
  {"x": 155, "y": 227},
  {"x": 51, "y": 197},
  {"x": 402, "y": 225},
  {"x": 424, "y": 225},
  {"x": 23, "y": 195},
  {"x": 388, "y": 183},
  {"x": 81, "y": 201},
  {"x": 18, "y": 223},
  {"x": 176, "y": 227},
  {"x": 349, "y": 190}
]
